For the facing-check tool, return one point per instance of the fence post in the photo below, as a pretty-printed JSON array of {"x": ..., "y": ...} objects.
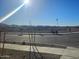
[{"x": 3, "y": 44}]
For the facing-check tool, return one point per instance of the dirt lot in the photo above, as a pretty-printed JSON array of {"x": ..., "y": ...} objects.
[{"x": 71, "y": 39}]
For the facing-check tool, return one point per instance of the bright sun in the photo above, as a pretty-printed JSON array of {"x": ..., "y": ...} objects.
[{"x": 27, "y": 2}]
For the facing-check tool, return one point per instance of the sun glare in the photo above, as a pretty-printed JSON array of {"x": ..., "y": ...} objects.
[{"x": 27, "y": 2}]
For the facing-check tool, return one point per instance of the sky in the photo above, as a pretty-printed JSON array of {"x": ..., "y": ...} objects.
[{"x": 41, "y": 12}]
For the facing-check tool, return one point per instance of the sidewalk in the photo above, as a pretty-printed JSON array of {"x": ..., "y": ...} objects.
[{"x": 68, "y": 53}]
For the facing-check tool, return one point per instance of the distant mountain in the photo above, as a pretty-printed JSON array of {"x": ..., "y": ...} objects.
[
  {"x": 3, "y": 25},
  {"x": 41, "y": 29}
]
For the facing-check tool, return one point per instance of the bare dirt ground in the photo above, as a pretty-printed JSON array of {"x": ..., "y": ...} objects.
[{"x": 71, "y": 39}]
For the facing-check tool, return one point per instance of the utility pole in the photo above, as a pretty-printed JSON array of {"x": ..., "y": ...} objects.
[{"x": 57, "y": 21}]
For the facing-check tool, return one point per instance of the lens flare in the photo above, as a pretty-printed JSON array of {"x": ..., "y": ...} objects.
[{"x": 12, "y": 13}]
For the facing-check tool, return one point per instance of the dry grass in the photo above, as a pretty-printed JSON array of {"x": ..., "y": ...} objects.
[{"x": 25, "y": 55}]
